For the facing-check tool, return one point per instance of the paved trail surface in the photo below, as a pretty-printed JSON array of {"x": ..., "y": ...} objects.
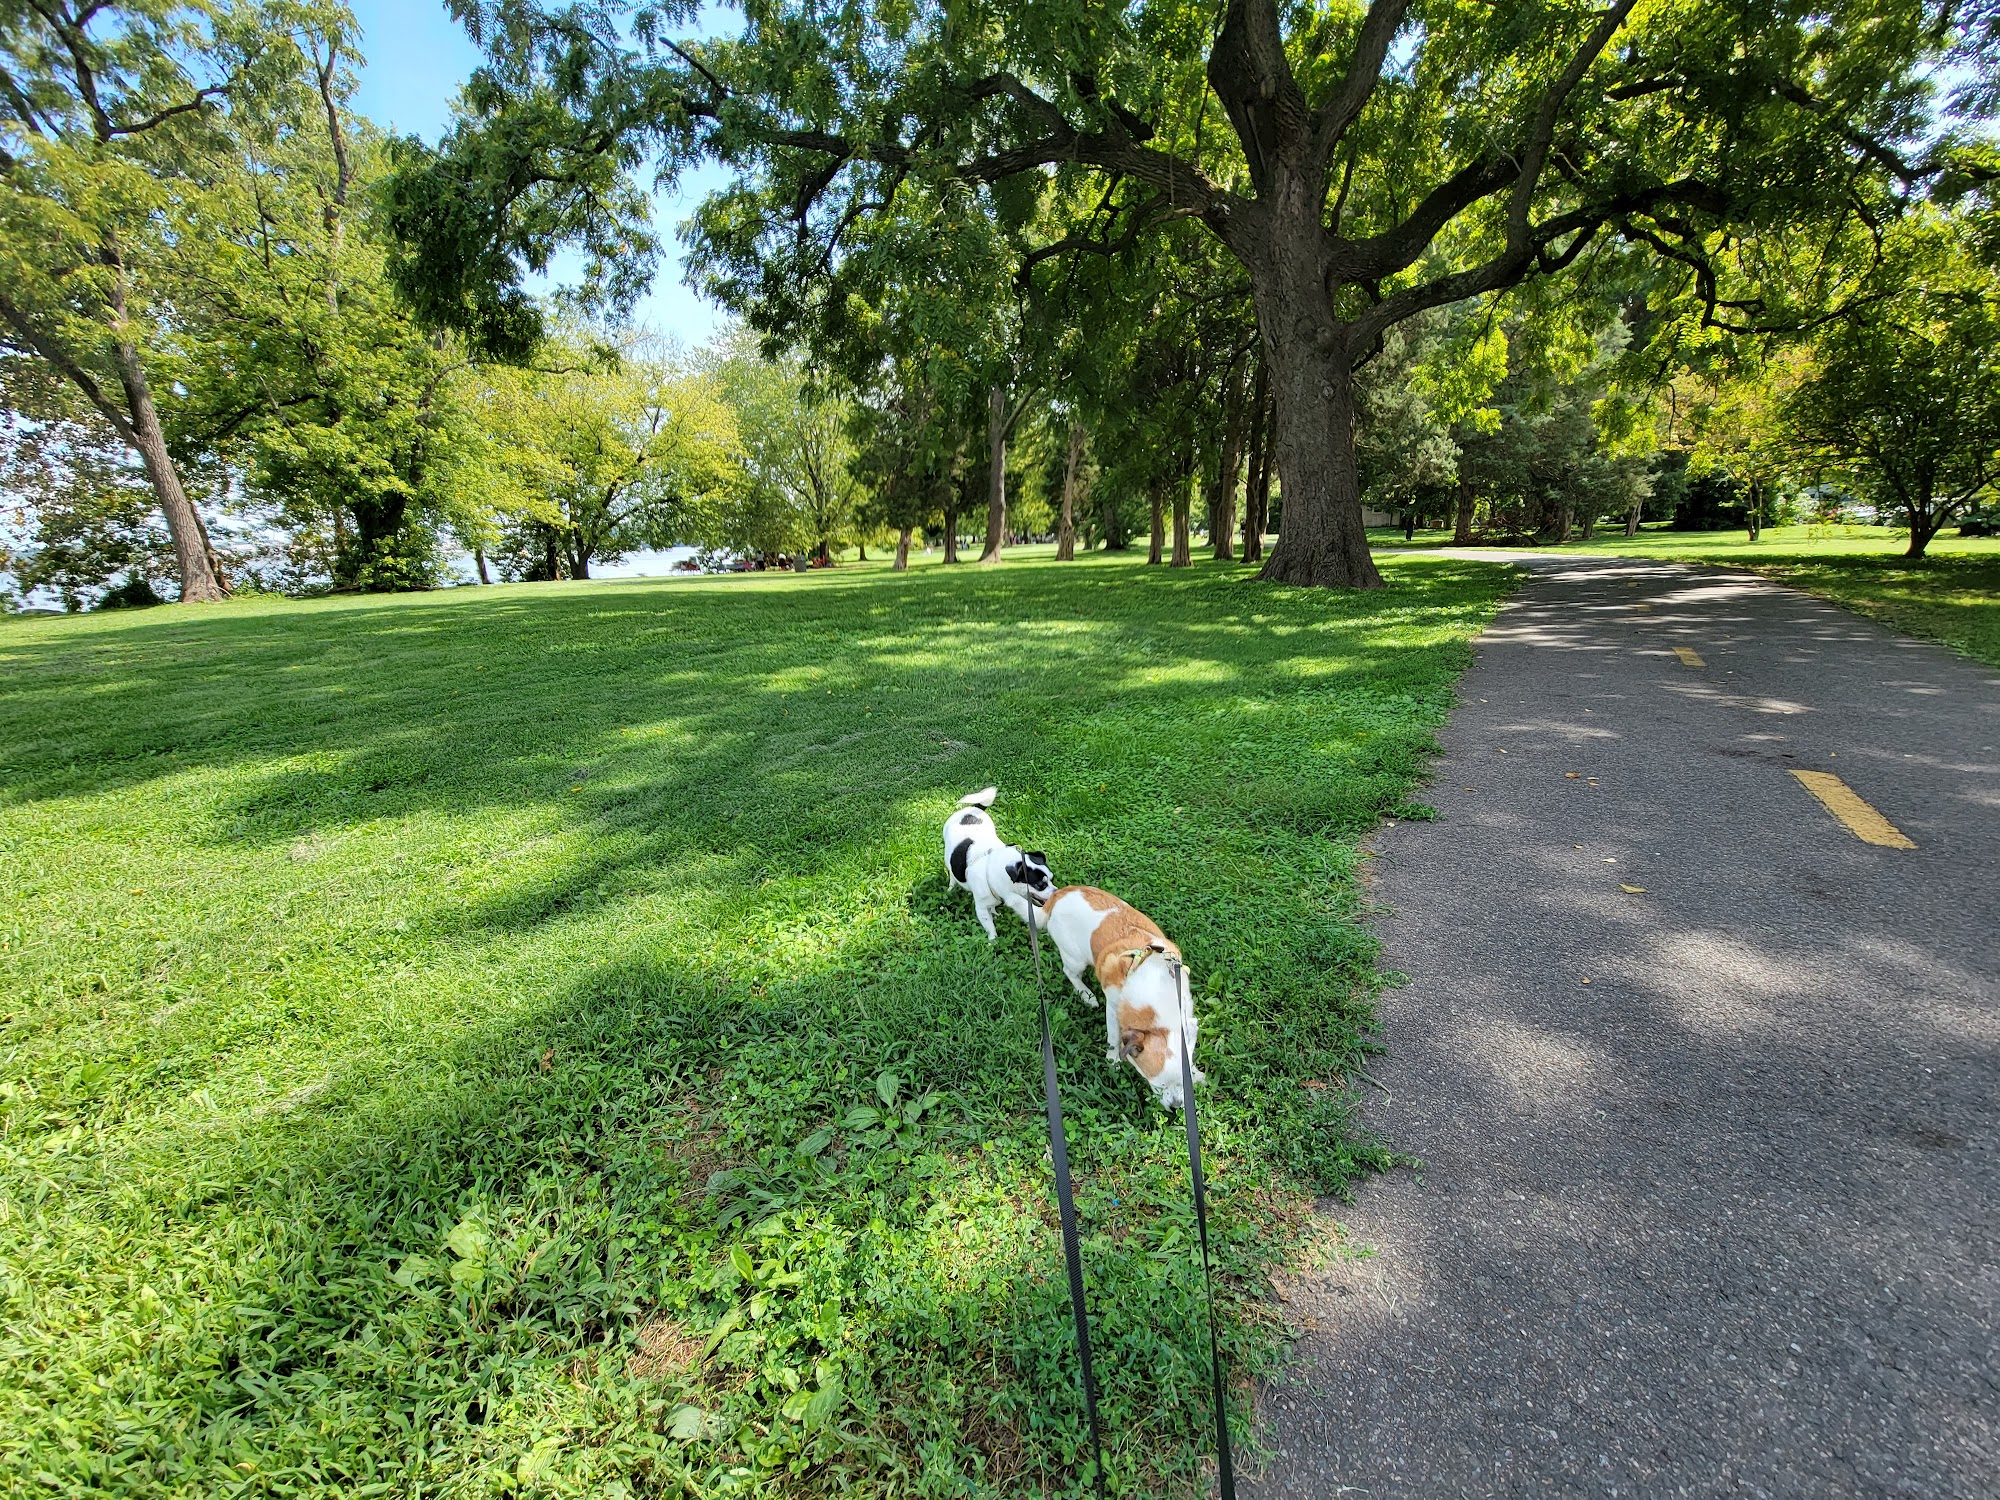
[{"x": 1722, "y": 1221}]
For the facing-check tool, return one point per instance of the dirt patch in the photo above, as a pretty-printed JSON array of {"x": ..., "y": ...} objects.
[
  {"x": 690, "y": 1143},
  {"x": 1001, "y": 1444},
  {"x": 665, "y": 1348}
]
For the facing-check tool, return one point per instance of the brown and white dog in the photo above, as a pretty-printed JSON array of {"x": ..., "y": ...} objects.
[
  {"x": 1147, "y": 997},
  {"x": 997, "y": 873}
]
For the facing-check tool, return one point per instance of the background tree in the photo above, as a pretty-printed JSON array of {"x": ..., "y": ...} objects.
[
  {"x": 301, "y": 371},
  {"x": 1902, "y": 397},
  {"x": 796, "y": 450},
  {"x": 898, "y": 483},
  {"x": 92, "y": 518},
  {"x": 1731, "y": 424},
  {"x": 614, "y": 448},
  {"x": 111, "y": 116},
  {"x": 1075, "y": 486},
  {"x": 1403, "y": 445},
  {"x": 1556, "y": 449}
]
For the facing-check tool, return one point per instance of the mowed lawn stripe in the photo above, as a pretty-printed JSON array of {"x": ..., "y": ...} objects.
[{"x": 521, "y": 1036}]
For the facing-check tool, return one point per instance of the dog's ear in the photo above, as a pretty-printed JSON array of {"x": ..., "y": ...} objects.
[{"x": 1039, "y": 858}]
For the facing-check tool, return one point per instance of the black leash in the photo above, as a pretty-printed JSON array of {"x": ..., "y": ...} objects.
[
  {"x": 1225, "y": 1467},
  {"x": 1066, "y": 1209}
]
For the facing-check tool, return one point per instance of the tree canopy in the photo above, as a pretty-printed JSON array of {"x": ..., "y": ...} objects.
[{"x": 1361, "y": 166}]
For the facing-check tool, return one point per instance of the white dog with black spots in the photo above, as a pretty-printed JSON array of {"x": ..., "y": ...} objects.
[{"x": 997, "y": 873}]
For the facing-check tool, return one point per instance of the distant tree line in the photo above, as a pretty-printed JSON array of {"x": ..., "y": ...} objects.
[{"x": 1153, "y": 277}]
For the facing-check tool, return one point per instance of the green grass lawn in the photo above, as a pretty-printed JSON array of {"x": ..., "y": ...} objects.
[
  {"x": 519, "y": 1039},
  {"x": 1952, "y": 595}
]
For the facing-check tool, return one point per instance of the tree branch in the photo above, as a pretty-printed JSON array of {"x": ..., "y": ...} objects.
[
  {"x": 1543, "y": 135},
  {"x": 1536, "y": 253},
  {"x": 1874, "y": 150},
  {"x": 70, "y": 368},
  {"x": 152, "y": 121},
  {"x": 1395, "y": 249},
  {"x": 1331, "y": 120},
  {"x": 1251, "y": 75}
]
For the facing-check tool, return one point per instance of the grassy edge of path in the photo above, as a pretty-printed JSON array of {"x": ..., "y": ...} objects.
[{"x": 1954, "y": 601}]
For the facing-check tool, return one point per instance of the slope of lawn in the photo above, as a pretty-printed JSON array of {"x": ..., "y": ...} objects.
[
  {"x": 1950, "y": 595},
  {"x": 519, "y": 1040}
]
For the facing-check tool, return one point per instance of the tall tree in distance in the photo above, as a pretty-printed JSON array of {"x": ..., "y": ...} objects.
[
  {"x": 797, "y": 450},
  {"x": 1903, "y": 395},
  {"x": 107, "y": 119},
  {"x": 1075, "y": 481},
  {"x": 302, "y": 372},
  {"x": 612, "y": 447}
]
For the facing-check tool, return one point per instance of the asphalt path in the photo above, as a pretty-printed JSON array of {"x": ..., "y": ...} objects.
[{"x": 1710, "y": 1198}]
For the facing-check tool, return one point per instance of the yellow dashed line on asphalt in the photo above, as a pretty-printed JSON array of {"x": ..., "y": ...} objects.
[
  {"x": 1861, "y": 820},
  {"x": 1689, "y": 656}
]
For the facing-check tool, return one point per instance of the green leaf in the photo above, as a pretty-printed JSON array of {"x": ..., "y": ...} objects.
[
  {"x": 414, "y": 1270},
  {"x": 887, "y": 1087},
  {"x": 723, "y": 1329},
  {"x": 538, "y": 1460},
  {"x": 690, "y": 1423},
  {"x": 469, "y": 1238},
  {"x": 745, "y": 1267},
  {"x": 810, "y": 1409},
  {"x": 815, "y": 1143}
]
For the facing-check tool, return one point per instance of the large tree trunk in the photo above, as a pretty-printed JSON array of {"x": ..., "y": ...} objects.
[
  {"x": 1754, "y": 512},
  {"x": 201, "y": 574},
  {"x": 1925, "y": 523},
  {"x": 1158, "y": 546},
  {"x": 1257, "y": 483},
  {"x": 951, "y": 536},
  {"x": 1115, "y": 539},
  {"x": 201, "y": 578},
  {"x": 1632, "y": 515},
  {"x": 1323, "y": 544},
  {"x": 1461, "y": 521},
  {"x": 1222, "y": 500},
  {"x": 1183, "y": 493},
  {"x": 996, "y": 473},
  {"x": 479, "y": 561},
  {"x": 1072, "y": 471},
  {"x": 902, "y": 562}
]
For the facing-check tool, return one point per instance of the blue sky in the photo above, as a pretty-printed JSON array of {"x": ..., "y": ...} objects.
[{"x": 417, "y": 57}]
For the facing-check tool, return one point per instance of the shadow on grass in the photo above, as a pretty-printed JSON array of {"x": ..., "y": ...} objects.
[
  {"x": 477, "y": 1255},
  {"x": 620, "y": 887}
]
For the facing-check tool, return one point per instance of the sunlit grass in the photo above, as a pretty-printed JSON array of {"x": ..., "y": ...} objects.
[{"x": 520, "y": 1038}]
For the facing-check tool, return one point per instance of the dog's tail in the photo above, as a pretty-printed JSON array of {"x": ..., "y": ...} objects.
[{"x": 981, "y": 798}]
